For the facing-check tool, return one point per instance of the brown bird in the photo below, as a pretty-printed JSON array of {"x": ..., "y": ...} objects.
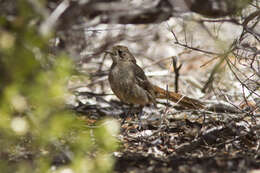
[{"x": 130, "y": 84}]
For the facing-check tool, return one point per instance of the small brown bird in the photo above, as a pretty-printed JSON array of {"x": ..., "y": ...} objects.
[{"x": 130, "y": 84}]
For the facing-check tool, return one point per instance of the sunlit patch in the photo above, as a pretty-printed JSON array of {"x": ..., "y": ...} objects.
[
  {"x": 19, "y": 103},
  {"x": 19, "y": 125},
  {"x": 6, "y": 40},
  {"x": 66, "y": 170},
  {"x": 112, "y": 126}
]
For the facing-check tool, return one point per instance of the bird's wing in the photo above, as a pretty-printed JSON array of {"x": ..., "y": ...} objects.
[
  {"x": 141, "y": 78},
  {"x": 143, "y": 82}
]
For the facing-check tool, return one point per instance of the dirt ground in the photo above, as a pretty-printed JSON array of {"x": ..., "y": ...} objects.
[{"x": 186, "y": 141}]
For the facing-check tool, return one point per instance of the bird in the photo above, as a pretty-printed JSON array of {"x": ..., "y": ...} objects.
[{"x": 130, "y": 84}]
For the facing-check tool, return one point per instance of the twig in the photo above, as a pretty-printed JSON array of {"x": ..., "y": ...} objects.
[
  {"x": 189, "y": 47},
  {"x": 212, "y": 74},
  {"x": 242, "y": 83},
  {"x": 176, "y": 71}
]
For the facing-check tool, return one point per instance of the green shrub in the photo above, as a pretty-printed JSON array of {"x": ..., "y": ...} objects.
[{"x": 35, "y": 127}]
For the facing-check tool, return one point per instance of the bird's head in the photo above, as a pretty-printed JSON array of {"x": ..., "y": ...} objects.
[{"x": 121, "y": 53}]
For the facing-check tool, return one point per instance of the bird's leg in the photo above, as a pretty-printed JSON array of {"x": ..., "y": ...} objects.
[
  {"x": 140, "y": 112},
  {"x": 128, "y": 112}
]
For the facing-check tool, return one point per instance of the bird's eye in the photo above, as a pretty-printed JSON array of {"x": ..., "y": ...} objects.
[{"x": 121, "y": 53}]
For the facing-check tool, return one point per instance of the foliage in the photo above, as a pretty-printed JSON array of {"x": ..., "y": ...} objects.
[{"x": 36, "y": 129}]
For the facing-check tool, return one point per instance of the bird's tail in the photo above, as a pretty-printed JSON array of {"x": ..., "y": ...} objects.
[{"x": 178, "y": 98}]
